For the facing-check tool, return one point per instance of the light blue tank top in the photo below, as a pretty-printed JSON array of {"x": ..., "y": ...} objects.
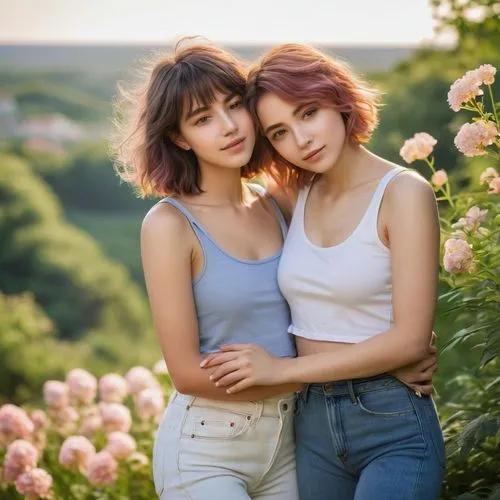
[{"x": 239, "y": 301}]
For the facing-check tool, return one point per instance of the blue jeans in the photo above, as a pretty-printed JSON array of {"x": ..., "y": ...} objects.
[{"x": 368, "y": 439}]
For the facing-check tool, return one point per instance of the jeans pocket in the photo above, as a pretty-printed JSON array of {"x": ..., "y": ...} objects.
[
  {"x": 389, "y": 402},
  {"x": 203, "y": 422}
]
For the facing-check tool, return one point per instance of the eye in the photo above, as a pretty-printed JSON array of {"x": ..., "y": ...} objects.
[
  {"x": 202, "y": 120},
  {"x": 236, "y": 104},
  {"x": 278, "y": 134},
  {"x": 310, "y": 112}
]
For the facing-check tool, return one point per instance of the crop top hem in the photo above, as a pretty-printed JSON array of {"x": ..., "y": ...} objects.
[{"x": 327, "y": 336}]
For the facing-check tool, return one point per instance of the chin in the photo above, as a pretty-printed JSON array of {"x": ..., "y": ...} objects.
[{"x": 318, "y": 168}]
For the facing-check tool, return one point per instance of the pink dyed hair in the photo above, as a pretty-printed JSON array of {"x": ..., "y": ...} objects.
[{"x": 301, "y": 74}]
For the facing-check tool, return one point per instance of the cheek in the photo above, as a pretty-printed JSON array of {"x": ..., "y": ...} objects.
[
  {"x": 203, "y": 142},
  {"x": 285, "y": 148}
]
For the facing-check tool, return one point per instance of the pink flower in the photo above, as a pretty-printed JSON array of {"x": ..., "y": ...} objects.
[
  {"x": 160, "y": 367},
  {"x": 113, "y": 388},
  {"x": 21, "y": 456},
  {"x": 56, "y": 394},
  {"x": 121, "y": 445},
  {"x": 464, "y": 89},
  {"x": 476, "y": 215},
  {"x": 419, "y": 147},
  {"x": 486, "y": 73},
  {"x": 82, "y": 386},
  {"x": 66, "y": 420},
  {"x": 472, "y": 219},
  {"x": 115, "y": 417},
  {"x": 75, "y": 452},
  {"x": 488, "y": 175},
  {"x": 494, "y": 186},
  {"x": 102, "y": 469},
  {"x": 150, "y": 403},
  {"x": 458, "y": 256},
  {"x": 14, "y": 423},
  {"x": 39, "y": 419},
  {"x": 439, "y": 178},
  {"x": 139, "y": 378},
  {"x": 472, "y": 138},
  {"x": 91, "y": 421},
  {"x": 34, "y": 483}
]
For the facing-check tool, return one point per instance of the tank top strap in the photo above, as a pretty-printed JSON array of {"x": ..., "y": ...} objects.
[
  {"x": 300, "y": 203},
  {"x": 196, "y": 226},
  {"x": 281, "y": 218},
  {"x": 371, "y": 215}
]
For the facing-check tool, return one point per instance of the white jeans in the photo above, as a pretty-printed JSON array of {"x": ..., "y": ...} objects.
[{"x": 225, "y": 450}]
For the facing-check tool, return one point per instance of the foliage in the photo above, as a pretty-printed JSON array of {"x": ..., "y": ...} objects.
[{"x": 471, "y": 272}]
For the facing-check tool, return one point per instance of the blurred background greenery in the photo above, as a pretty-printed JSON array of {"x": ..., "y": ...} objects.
[
  {"x": 70, "y": 274},
  {"x": 71, "y": 287}
]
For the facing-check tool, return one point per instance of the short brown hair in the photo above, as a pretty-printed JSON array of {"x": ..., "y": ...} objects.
[
  {"x": 149, "y": 116},
  {"x": 298, "y": 73}
]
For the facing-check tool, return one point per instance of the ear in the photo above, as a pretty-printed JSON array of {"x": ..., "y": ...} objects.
[{"x": 179, "y": 140}]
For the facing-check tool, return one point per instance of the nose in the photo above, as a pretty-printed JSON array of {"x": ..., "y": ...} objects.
[
  {"x": 302, "y": 138},
  {"x": 229, "y": 126}
]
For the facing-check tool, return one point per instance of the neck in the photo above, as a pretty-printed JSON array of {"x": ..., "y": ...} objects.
[
  {"x": 220, "y": 185},
  {"x": 349, "y": 169}
]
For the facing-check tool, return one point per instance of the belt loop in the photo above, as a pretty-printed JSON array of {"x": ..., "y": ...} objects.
[{"x": 350, "y": 388}]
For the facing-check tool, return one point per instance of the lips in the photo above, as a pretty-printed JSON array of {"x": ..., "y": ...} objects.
[
  {"x": 234, "y": 143},
  {"x": 312, "y": 153}
]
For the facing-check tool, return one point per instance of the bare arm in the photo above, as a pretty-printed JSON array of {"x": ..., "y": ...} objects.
[
  {"x": 414, "y": 237},
  {"x": 166, "y": 250}
]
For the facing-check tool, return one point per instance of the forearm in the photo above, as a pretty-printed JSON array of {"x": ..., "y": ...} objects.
[
  {"x": 382, "y": 353},
  {"x": 195, "y": 382}
]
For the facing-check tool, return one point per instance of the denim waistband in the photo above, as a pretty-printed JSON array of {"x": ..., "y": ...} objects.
[
  {"x": 353, "y": 387},
  {"x": 270, "y": 407}
]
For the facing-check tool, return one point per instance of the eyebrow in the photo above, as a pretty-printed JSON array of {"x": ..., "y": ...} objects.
[
  {"x": 295, "y": 112},
  {"x": 203, "y": 109}
]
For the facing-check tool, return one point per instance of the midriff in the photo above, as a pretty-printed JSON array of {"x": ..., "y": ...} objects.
[{"x": 306, "y": 347}]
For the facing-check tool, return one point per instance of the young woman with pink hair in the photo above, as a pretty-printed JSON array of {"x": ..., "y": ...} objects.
[{"x": 359, "y": 270}]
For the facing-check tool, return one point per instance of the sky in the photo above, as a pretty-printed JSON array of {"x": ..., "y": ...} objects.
[{"x": 384, "y": 22}]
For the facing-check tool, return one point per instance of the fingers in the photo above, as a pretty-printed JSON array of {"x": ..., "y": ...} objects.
[
  {"x": 240, "y": 386},
  {"x": 425, "y": 389},
  {"x": 425, "y": 374},
  {"x": 233, "y": 378},
  {"x": 224, "y": 369},
  {"x": 217, "y": 358},
  {"x": 427, "y": 363}
]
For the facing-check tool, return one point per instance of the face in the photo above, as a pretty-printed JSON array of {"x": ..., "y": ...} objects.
[
  {"x": 310, "y": 136},
  {"x": 221, "y": 134}
]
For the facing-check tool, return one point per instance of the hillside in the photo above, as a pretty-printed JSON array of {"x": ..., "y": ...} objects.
[{"x": 113, "y": 60}]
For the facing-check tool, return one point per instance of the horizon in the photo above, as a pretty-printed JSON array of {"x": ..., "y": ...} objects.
[{"x": 154, "y": 22}]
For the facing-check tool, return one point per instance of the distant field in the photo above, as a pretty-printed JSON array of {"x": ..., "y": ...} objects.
[
  {"x": 106, "y": 60},
  {"x": 117, "y": 234}
]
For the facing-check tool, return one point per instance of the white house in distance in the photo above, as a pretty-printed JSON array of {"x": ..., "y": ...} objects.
[{"x": 54, "y": 127}]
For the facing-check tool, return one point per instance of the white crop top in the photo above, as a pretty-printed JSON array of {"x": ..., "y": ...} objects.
[{"x": 341, "y": 293}]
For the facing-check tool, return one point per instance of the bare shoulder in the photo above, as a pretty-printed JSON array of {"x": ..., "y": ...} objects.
[
  {"x": 285, "y": 196},
  {"x": 409, "y": 189},
  {"x": 164, "y": 222}
]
